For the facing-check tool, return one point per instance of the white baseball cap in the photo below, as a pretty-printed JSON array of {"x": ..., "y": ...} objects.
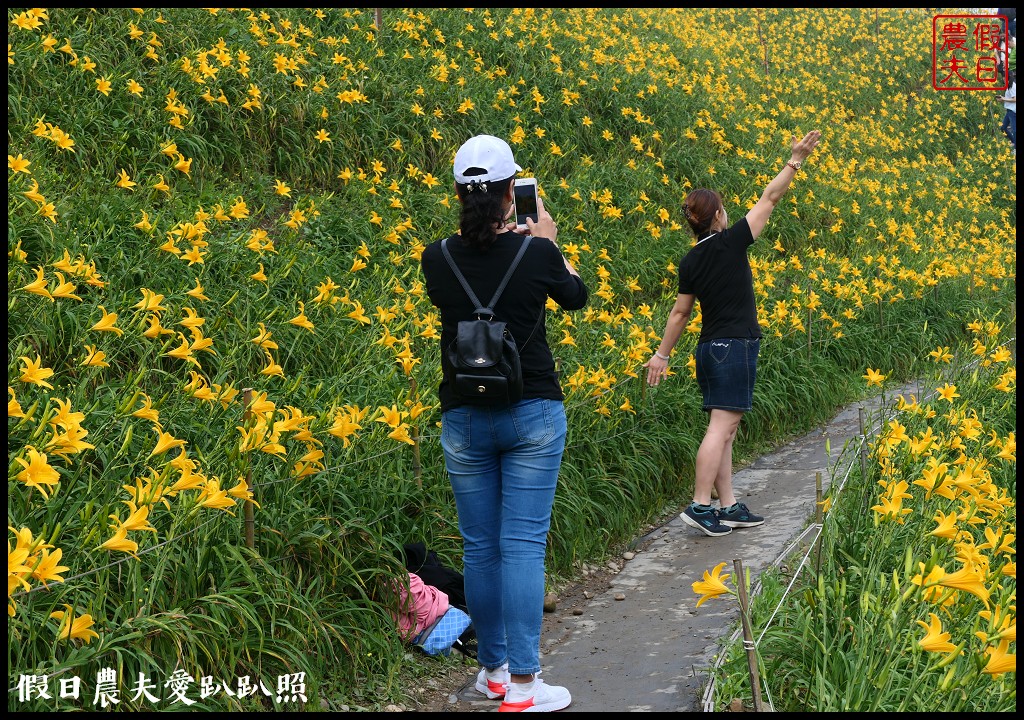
[{"x": 488, "y": 153}]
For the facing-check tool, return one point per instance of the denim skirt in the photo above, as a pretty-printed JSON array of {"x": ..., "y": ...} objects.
[{"x": 726, "y": 370}]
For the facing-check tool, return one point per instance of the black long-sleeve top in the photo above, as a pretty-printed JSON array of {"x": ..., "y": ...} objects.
[{"x": 541, "y": 274}]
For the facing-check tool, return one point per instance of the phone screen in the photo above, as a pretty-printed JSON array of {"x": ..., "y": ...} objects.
[{"x": 526, "y": 203}]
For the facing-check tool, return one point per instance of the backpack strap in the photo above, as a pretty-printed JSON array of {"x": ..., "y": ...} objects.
[{"x": 481, "y": 310}]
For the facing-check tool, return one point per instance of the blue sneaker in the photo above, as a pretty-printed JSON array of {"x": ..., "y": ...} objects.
[
  {"x": 739, "y": 516},
  {"x": 707, "y": 521}
]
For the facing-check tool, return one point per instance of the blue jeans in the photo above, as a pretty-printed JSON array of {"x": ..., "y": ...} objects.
[
  {"x": 1009, "y": 126},
  {"x": 503, "y": 465}
]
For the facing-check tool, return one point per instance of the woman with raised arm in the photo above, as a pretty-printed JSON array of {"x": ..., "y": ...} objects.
[{"x": 716, "y": 273}]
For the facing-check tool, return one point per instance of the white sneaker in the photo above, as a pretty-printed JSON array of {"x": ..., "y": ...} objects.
[
  {"x": 493, "y": 683},
  {"x": 536, "y": 696}
]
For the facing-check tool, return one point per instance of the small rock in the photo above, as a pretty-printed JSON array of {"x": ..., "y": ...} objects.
[
  {"x": 577, "y": 611},
  {"x": 628, "y": 556},
  {"x": 618, "y": 596},
  {"x": 324, "y": 705},
  {"x": 613, "y": 566},
  {"x": 398, "y": 708},
  {"x": 736, "y": 706},
  {"x": 587, "y": 594},
  {"x": 550, "y": 603}
]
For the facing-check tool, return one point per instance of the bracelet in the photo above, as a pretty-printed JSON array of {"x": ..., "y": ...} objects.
[
  {"x": 794, "y": 165},
  {"x": 659, "y": 355}
]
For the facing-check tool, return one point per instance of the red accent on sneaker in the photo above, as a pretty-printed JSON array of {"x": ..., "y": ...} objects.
[
  {"x": 497, "y": 688},
  {"x": 520, "y": 706}
]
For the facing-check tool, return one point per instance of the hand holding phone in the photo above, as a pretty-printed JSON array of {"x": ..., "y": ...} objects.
[{"x": 525, "y": 198}]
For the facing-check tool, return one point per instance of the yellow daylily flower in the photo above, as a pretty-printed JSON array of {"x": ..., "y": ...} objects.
[
  {"x": 38, "y": 286},
  {"x": 874, "y": 377},
  {"x": 18, "y": 164},
  {"x": 13, "y": 406},
  {"x": 124, "y": 181},
  {"x": 165, "y": 441},
  {"x": 94, "y": 357},
  {"x": 301, "y": 320},
  {"x": 1000, "y": 660},
  {"x": 197, "y": 292},
  {"x": 183, "y": 351},
  {"x": 37, "y": 471},
  {"x": 150, "y": 301},
  {"x": 272, "y": 367},
  {"x": 64, "y": 289},
  {"x": 947, "y": 392},
  {"x": 137, "y": 518},
  {"x": 968, "y": 580},
  {"x": 34, "y": 195},
  {"x": 48, "y": 569},
  {"x": 712, "y": 585},
  {"x": 120, "y": 542},
  {"x": 147, "y": 412},
  {"x": 74, "y": 628},
  {"x": 212, "y": 496},
  {"x": 935, "y": 640},
  {"x": 34, "y": 373},
  {"x": 161, "y": 185}
]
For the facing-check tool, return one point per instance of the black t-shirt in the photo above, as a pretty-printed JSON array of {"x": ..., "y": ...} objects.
[
  {"x": 541, "y": 273},
  {"x": 716, "y": 270}
]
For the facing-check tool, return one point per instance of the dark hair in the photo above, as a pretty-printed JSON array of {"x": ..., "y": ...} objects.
[
  {"x": 700, "y": 207},
  {"x": 482, "y": 209}
]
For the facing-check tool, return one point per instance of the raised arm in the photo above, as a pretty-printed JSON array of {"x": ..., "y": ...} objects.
[{"x": 757, "y": 218}]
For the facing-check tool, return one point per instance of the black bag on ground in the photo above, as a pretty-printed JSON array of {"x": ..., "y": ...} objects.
[{"x": 484, "y": 356}]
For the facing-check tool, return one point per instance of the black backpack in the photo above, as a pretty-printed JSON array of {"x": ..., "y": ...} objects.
[{"x": 484, "y": 356}]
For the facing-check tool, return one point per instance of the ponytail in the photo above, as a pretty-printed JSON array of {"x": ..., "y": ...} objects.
[{"x": 482, "y": 211}]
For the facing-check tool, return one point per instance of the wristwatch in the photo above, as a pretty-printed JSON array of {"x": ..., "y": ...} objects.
[{"x": 795, "y": 164}]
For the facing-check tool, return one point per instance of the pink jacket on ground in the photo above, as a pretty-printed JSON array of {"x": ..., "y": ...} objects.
[{"x": 419, "y": 607}]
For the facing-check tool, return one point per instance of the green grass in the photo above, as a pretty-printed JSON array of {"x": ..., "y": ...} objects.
[{"x": 899, "y": 231}]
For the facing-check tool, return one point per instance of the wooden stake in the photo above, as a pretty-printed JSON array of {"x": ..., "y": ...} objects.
[
  {"x": 764, "y": 45},
  {"x": 810, "y": 324},
  {"x": 748, "y": 636},
  {"x": 417, "y": 469},
  {"x": 864, "y": 454},
  {"x": 250, "y": 521}
]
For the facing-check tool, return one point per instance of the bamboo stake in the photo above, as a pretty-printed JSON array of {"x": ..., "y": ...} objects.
[
  {"x": 378, "y": 17},
  {"x": 250, "y": 521},
  {"x": 748, "y": 636},
  {"x": 818, "y": 519}
]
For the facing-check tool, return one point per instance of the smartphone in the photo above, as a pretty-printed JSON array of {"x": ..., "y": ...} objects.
[{"x": 525, "y": 196}]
